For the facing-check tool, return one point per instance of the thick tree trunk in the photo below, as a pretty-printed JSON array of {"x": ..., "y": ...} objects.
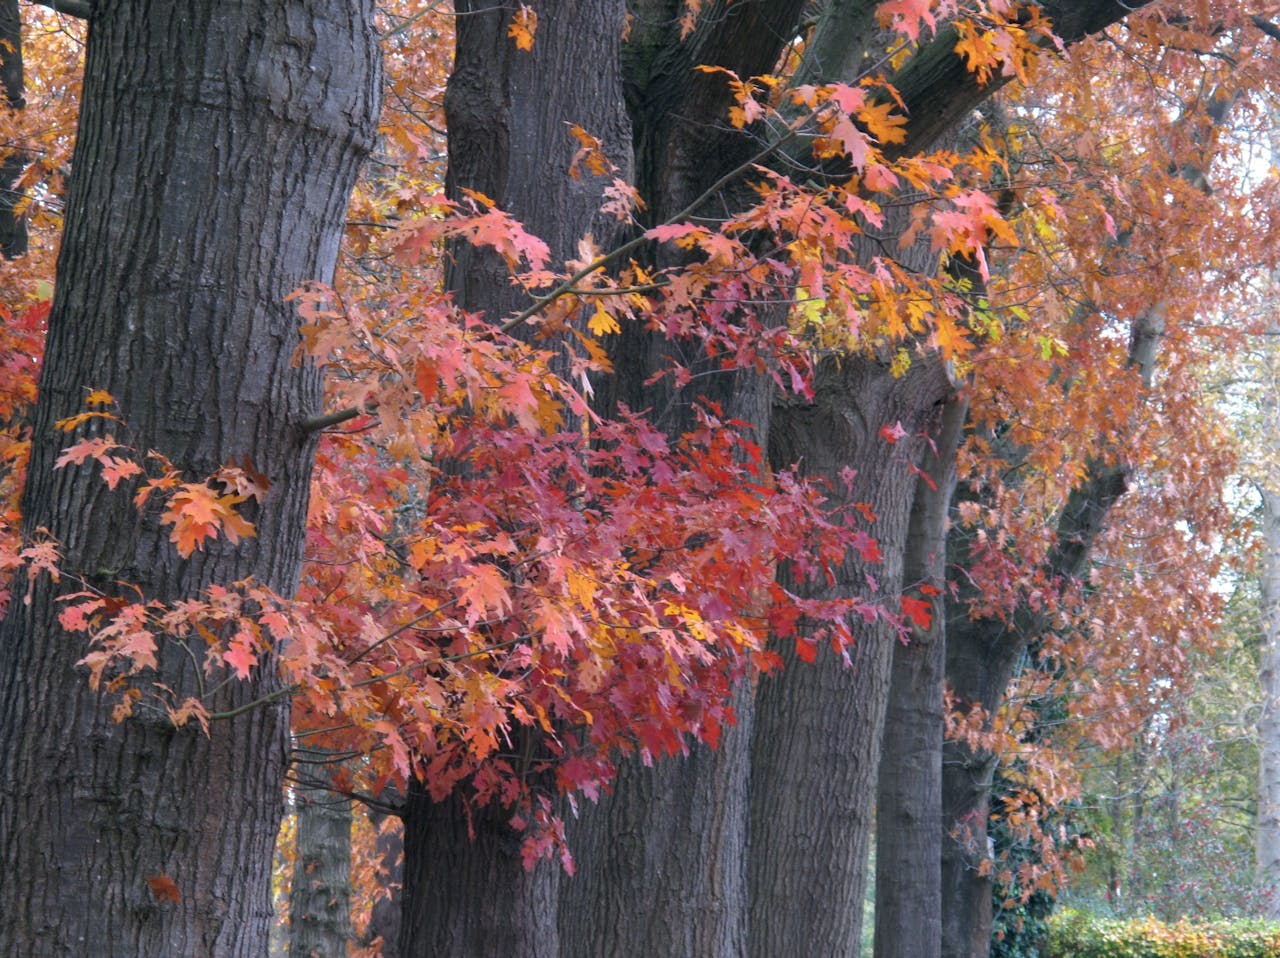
[
  {"x": 661, "y": 860},
  {"x": 816, "y": 746},
  {"x": 217, "y": 146},
  {"x": 320, "y": 893},
  {"x": 909, "y": 796},
  {"x": 465, "y": 890},
  {"x": 508, "y": 113}
]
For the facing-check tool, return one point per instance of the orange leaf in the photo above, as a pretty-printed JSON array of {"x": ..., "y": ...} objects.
[
  {"x": 164, "y": 888},
  {"x": 523, "y": 26}
]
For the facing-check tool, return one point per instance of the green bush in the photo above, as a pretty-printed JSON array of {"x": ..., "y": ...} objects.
[{"x": 1077, "y": 934}]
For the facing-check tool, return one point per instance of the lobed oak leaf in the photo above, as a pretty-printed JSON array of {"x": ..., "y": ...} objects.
[
  {"x": 95, "y": 447},
  {"x": 907, "y": 15},
  {"x": 602, "y": 323},
  {"x": 241, "y": 655},
  {"x": 114, "y": 469},
  {"x": 883, "y": 124},
  {"x": 197, "y": 512},
  {"x": 524, "y": 24}
]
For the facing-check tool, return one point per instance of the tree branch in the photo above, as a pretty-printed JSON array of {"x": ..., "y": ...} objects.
[
  {"x": 324, "y": 421},
  {"x": 72, "y": 8},
  {"x": 1266, "y": 26},
  {"x": 938, "y": 87}
]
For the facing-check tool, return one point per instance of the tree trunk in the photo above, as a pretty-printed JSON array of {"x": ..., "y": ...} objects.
[
  {"x": 13, "y": 229},
  {"x": 217, "y": 146},
  {"x": 909, "y": 797},
  {"x": 320, "y": 894},
  {"x": 508, "y": 113},
  {"x": 385, "y": 918},
  {"x": 982, "y": 655},
  {"x": 816, "y": 745},
  {"x": 662, "y": 860},
  {"x": 1268, "y": 838},
  {"x": 465, "y": 890}
]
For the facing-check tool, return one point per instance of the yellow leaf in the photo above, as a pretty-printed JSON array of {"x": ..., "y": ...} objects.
[
  {"x": 100, "y": 397},
  {"x": 601, "y": 323}
]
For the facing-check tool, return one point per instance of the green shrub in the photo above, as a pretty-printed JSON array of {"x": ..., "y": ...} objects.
[{"x": 1077, "y": 934}]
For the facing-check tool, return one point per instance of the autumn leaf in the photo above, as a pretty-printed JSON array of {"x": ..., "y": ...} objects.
[
  {"x": 164, "y": 888},
  {"x": 99, "y": 397},
  {"x": 602, "y": 323},
  {"x": 95, "y": 447},
  {"x": 892, "y": 432},
  {"x": 198, "y": 512},
  {"x": 907, "y": 15},
  {"x": 71, "y": 422},
  {"x": 241, "y": 654},
  {"x": 115, "y": 469},
  {"x": 883, "y": 123},
  {"x": 590, "y": 155},
  {"x": 917, "y": 611},
  {"x": 524, "y": 24}
]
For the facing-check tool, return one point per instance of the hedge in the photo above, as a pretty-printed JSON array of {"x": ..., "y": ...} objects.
[{"x": 1076, "y": 934}]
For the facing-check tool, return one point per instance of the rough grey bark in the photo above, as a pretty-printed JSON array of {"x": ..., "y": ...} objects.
[
  {"x": 320, "y": 893},
  {"x": 909, "y": 792},
  {"x": 816, "y": 746},
  {"x": 217, "y": 146},
  {"x": 13, "y": 230},
  {"x": 661, "y": 861},
  {"x": 508, "y": 113},
  {"x": 451, "y": 859}
]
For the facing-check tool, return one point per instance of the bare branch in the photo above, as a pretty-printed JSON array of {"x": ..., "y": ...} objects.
[
  {"x": 72, "y": 8},
  {"x": 1266, "y": 26}
]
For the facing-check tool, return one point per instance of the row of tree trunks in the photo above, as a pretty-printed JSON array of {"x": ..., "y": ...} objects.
[
  {"x": 909, "y": 794},
  {"x": 816, "y": 747},
  {"x": 662, "y": 859},
  {"x": 815, "y": 735},
  {"x": 217, "y": 147}
]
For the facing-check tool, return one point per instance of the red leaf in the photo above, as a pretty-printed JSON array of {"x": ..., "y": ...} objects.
[
  {"x": 918, "y": 611},
  {"x": 892, "y": 433},
  {"x": 164, "y": 888}
]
